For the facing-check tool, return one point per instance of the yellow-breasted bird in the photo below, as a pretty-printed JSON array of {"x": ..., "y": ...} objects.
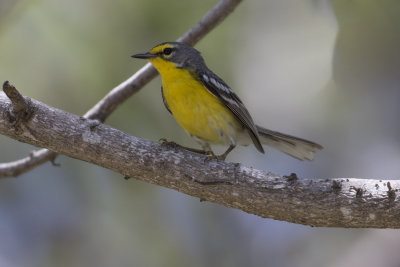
[{"x": 208, "y": 110}]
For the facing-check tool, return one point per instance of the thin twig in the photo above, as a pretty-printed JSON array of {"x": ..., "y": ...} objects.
[
  {"x": 18, "y": 101},
  {"x": 120, "y": 93}
]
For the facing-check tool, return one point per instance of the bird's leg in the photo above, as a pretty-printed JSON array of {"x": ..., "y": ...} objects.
[
  {"x": 211, "y": 154},
  {"x": 165, "y": 142},
  {"x": 230, "y": 148},
  {"x": 195, "y": 150}
]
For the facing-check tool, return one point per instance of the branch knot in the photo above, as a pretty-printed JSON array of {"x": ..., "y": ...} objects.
[{"x": 22, "y": 109}]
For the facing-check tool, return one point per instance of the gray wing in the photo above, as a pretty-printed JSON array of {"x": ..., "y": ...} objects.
[{"x": 224, "y": 93}]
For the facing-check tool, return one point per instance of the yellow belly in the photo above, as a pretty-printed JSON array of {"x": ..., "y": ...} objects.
[{"x": 196, "y": 110}]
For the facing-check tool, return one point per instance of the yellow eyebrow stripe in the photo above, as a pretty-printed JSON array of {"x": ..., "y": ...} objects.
[{"x": 160, "y": 48}]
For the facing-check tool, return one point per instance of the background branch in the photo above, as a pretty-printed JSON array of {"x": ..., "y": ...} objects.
[
  {"x": 316, "y": 202},
  {"x": 120, "y": 93}
]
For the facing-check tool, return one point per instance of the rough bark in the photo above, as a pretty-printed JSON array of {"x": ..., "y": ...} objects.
[{"x": 341, "y": 202}]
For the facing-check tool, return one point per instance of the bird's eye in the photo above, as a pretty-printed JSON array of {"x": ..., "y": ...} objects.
[{"x": 167, "y": 51}]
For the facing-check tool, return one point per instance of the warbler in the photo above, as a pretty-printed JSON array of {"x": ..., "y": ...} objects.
[{"x": 207, "y": 108}]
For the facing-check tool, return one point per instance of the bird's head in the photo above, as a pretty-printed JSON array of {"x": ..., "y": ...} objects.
[{"x": 173, "y": 54}]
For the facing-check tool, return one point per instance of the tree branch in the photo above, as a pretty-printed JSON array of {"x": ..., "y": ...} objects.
[
  {"x": 315, "y": 202},
  {"x": 120, "y": 93}
]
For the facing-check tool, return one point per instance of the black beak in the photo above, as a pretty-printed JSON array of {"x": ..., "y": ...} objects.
[{"x": 146, "y": 55}]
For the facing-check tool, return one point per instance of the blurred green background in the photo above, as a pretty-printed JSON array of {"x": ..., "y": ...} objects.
[{"x": 324, "y": 70}]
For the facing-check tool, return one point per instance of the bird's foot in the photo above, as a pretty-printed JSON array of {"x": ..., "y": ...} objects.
[
  {"x": 165, "y": 142},
  {"x": 210, "y": 156}
]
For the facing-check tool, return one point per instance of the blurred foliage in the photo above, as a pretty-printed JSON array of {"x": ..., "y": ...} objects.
[
  {"x": 364, "y": 95},
  {"x": 366, "y": 54},
  {"x": 278, "y": 55}
]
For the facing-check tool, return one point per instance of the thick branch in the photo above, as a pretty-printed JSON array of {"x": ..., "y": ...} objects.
[
  {"x": 316, "y": 202},
  {"x": 120, "y": 93}
]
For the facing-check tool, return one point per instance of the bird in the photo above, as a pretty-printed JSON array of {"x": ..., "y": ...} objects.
[{"x": 209, "y": 110}]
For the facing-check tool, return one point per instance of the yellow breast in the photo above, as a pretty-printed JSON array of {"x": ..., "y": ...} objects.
[{"x": 196, "y": 110}]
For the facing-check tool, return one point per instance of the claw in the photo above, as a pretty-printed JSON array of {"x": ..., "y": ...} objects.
[
  {"x": 211, "y": 156},
  {"x": 165, "y": 142}
]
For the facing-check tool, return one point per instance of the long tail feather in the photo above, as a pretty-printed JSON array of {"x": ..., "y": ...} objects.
[{"x": 296, "y": 147}]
